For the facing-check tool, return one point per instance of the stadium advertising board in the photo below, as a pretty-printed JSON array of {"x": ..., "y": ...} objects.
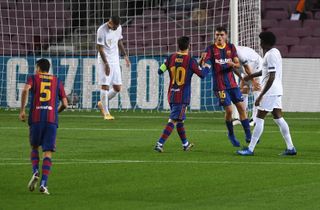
[{"x": 142, "y": 87}]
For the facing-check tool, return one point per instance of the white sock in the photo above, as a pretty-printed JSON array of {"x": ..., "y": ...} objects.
[
  {"x": 257, "y": 131},
  {"x": 112, "y": 94},
  {"x": 245, "y": 101},
  {"x": 284, "y": 129},
  {"x": 104, "y": 100},
  {"x": 254, "y": 109}
]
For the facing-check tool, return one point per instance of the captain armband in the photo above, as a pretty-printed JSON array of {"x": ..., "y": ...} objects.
[{"x": 163, "y": 67}]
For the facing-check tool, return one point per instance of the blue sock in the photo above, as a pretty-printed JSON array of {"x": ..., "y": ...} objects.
[
  {"x": 34, "y": 156},
  {"x": 182, "y": 133},
  {"x": 166, "y": 133},
  {"x": 246, "y": 128},
  {"x": 230, "y": 128},
  {"x": 46, "y": 168}
]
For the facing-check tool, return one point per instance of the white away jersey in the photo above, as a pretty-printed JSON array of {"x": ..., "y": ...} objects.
[
  {"x": 109, "y": 38},
  {"x": 272, "y": 62},
  {"x": 247, "y": 56}
]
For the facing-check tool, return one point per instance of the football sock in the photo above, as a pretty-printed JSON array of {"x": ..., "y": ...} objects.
[
  {"x": 112, "y": 94},
  {"x": 257, "y": 131},
  {"x": 35, "y": 160},
  {"x": 230, "y": 127},
  {"x": 166, "y": 133},
  {"x": 284, "y": 129},
  {"x": 254, "y": 109},
  {"x": 182, "y": 133},
  {"x": 104, "y": 100},
  {"x": 245, "y": 100},
  {"x": 246, "y": 128},
  {"x": 46, "y": 167}
]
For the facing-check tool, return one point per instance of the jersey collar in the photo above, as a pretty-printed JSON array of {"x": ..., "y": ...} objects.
[{"x": 220, "y": 47}]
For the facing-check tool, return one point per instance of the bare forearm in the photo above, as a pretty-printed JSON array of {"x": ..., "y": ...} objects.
[
  {"x": 63, "y": 105},
  {"x": 267, "y": 86},
  {"x": 121, "y": 48},
  {"x": 102, "y": 55},
  {"x": 24, "y": 97},
  {"x": 237, "y": 72},
  {"x": 247, "y": 69},
  {"x": 256, "y": 74}
]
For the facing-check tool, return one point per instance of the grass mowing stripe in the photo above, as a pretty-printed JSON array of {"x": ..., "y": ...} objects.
[
  {"x": 68, "y": 162},
  {"x": 151, "y": 129}
]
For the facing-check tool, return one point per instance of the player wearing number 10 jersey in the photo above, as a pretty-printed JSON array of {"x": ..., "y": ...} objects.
[
  {"x": 181, "y": 67},
  {"x": 46, "y": 92}
]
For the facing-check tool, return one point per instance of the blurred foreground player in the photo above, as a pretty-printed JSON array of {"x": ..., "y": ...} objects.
[
  {"x": 270, "y": 97},
  {"x": 251, "y": 62},
  {"x": 181, "y": 67},
  {"x": 46, "y": 92}
]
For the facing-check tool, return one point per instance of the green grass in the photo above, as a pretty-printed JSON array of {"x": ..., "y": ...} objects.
[{"x": 111, "y": 165}]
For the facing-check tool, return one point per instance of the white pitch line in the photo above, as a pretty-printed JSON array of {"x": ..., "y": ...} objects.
[
  {"x": 73, "y": 162},
  {"x": 152, "y": 129}
]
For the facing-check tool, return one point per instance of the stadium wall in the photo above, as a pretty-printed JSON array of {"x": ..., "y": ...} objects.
[
  {"x": 301, "y": 81},
  {"x": 144, "y": 89}
]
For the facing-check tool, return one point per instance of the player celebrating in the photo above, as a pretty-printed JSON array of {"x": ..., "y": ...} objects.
[
  {"x": 251, "y": 61},
  {"x": 223, "y": 57},
  {"x": 109, "y": 41},
  {"x": 269, "y": 99},
  {"x": 181, "y": 67},
  {"x": 46, "y": 91}
]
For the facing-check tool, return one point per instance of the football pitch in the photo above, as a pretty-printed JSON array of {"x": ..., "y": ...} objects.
[{"x": 112, "y": 165}]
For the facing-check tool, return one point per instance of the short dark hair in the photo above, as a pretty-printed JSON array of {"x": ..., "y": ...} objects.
[
  {"x": 267, "y": 37},
  {"x": 221, "y": 28},
  {"x": 115, "y": 20},
  {"x": 43, "y": 64},
  {"x": 183, "y": 42}
]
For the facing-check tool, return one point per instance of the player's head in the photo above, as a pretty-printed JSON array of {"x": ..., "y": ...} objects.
[
  {"x": 220, "y": 35},
  {"x": 43, "y": 65},
  {"x": 183, "y": 43},
  {"x": 267, "y": 39},
  {"x": 114, "y": 22}
]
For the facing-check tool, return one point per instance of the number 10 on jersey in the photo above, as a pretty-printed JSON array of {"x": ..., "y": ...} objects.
[{"x": 178, "y": 75}]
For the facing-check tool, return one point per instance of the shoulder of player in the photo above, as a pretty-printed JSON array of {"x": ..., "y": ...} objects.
[
  {"x": 274, "y": 52},
  {"x": 103, "y": 27}
]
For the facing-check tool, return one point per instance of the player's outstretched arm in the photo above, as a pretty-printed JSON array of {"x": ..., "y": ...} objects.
[
  {"x": 251, "y": 76},
  {"x": 201, "y": 72}
]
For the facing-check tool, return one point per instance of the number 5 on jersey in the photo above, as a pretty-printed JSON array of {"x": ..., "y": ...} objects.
[{"x": 45, "y": 93}]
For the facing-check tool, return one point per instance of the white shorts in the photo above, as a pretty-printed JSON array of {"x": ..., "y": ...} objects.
[
  {"x": 114, "y": 77},
  {"x": 268, "y": 103}
]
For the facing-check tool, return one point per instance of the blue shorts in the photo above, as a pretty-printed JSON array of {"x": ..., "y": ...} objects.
[
  {"x": 44, "y": 135},
  {"x": 178, "y": 111},
  {"x": 227, "y": 96}
]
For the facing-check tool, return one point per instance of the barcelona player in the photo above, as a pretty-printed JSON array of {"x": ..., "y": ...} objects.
[
  {"x": 181, "y": 67},
  {"x": 46, "y": 92},
  {"x": 224, "y": 60}
]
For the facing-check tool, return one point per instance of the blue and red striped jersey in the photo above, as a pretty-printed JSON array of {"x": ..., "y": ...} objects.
[
  {"x": 181, "y": 67},
  {"x": 46, "y": 92},
  {"x": 222, "y": 73}
]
